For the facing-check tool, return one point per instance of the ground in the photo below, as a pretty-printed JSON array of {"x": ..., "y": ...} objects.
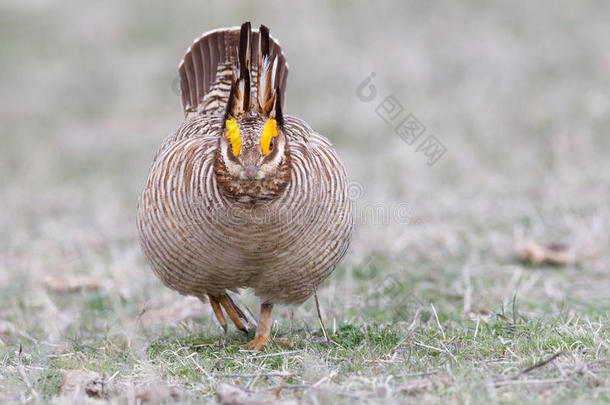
[{"x": 431, "y": 304}]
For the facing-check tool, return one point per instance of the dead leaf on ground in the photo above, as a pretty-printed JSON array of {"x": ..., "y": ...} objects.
[
  {"x": 71, "y": 283},
  {"x": 158, "y": 396},
  {"x": 538, "y": 254},
  {"x": 76, "y": 381},
  {"x": 180, "y": 310},
  {"x": 228, "y": 394}
]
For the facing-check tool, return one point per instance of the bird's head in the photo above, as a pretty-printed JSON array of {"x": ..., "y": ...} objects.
[
  {"x": 253, "y": 159},
  {"x": 253, "y": 147}
]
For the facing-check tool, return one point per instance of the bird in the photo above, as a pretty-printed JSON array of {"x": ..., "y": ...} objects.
[{"x": 242, "y": 196}]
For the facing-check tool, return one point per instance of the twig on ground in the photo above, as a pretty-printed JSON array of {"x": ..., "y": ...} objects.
[
  {"x": 277, "y": 374},
  {"x": 420, "y": 374},
  {"x": 112, "y": 377},
  {"x": 438, "y": 322},
  {"x": 518, "y": 382},
  {"x": 315, "y": 294},
  {"x": 276, "y": 354},
  {"x": 438, "y": 349},
  {"x": 199, "y": 367},
  {"x": 312, "y": 387},
  {"x": 330, "y": 376},
  {"x": 448, "y": 351},
  {"x": 540, "y": 364}
]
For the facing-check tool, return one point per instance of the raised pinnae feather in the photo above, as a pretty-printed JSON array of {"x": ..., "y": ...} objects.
[
  {"x": 277, "y": 112},
  {"x": 265, "y": 90},
  {"x": 244, "y": 57},
  {"x": 246, "y": 91},
  {"x": 264, "y": 40},
  {"x": 231, "y": 110}
]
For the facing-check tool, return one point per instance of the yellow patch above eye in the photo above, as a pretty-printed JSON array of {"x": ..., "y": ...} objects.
[
  {"x": 233, "y": 135},
  {"x": 269, "y": 131}
]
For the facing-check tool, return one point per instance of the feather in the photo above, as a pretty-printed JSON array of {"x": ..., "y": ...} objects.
[{"x": 213, "y": 61}]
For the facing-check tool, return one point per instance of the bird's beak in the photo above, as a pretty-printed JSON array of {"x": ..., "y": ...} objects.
[{"x": 251, "y": 170}]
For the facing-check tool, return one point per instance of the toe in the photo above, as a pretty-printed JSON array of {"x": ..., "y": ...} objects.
[{"x": 257, "y": 343}]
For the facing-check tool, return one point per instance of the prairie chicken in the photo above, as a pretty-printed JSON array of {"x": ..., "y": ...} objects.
[{"x": 241, "y": 195}]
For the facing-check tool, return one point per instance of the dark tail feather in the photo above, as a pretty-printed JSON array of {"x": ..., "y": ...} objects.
[{"x": 245, "y": 49}]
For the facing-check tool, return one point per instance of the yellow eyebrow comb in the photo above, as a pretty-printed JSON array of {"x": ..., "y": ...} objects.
[
  {"x": 233, "y": 135},
  {"x": 269, "y": 131}
]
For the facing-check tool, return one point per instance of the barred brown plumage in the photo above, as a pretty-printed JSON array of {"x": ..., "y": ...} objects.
[{"x": 219, "y": 214}]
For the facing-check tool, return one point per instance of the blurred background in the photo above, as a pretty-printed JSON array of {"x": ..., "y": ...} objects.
[{"x": 515, "y": 93}]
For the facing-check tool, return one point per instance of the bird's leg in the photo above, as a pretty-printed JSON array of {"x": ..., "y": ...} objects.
[
  {"x": 218, "y": 312},
  {"x": 237, "y": 309},
  {"x": 236, "y": 314},
  {"x": 263, "y": 330}
]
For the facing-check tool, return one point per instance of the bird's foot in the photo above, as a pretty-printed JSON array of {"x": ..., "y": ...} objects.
[
  {"x": 257, "y": 343},
  {"x": 260, "y": 341}
]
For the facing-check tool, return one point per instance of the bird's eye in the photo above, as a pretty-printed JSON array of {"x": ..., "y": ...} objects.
[
  {"x": 269, "y": 132},
  {"x": 271, "y": 143}
]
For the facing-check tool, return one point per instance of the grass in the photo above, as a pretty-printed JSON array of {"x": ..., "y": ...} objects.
[
  {"x": 427, "y": 349},
  {"x": 429, "y": 305}
]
